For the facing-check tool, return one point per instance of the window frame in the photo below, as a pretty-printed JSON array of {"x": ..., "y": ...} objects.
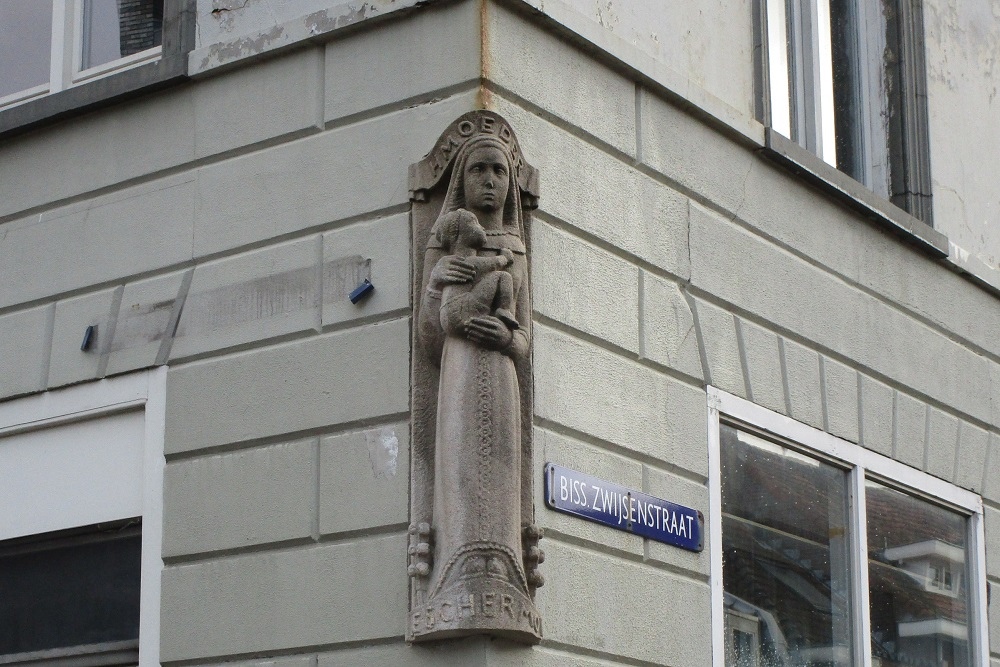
[
  {"x": 796, "y": 98},
  {"x": 103, "y": 84},
  {"x": 145, "y": 391},
  {"x": 861, "y": 464}
]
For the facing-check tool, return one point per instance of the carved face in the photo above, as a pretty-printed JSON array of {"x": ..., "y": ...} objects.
[{"x": 486, "y": 179}]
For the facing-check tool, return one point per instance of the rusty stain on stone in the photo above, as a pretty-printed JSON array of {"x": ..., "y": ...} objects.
[{"x": 485, "y": 97}]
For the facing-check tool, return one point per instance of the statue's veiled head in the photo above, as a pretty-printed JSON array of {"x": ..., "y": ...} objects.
[{"x": 482, "y": 181}]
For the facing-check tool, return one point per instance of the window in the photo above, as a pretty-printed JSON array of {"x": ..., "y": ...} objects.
[
  {"x": 72, "y": 594},
  {"x": 829, "y": 555},
  {"x": 58, "y": 56},
  {"x": 846, "y": 80},
  {"x": 41, "y": 55},
  {"x": 81, "y": 474}
]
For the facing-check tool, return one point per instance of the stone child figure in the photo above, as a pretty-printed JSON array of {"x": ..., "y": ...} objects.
[
  {"x": 491, "y": 291},
  {"x": 475, "y": 562}
]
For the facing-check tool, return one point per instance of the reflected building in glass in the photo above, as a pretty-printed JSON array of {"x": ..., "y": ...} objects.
[{"x": 788, "y": 575}]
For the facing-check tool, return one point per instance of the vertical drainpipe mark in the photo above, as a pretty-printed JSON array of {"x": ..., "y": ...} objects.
[
  {"x": 699, "y": 336},
  {"x": 927, "y": 436},
  {"x": 861, "y": 410},
  {"x": 895, "y": 420},
  {"x": 642, "y": 314},
  {"x": 319, "y": 284},
  {"x": 50, "y": 322},
  {"x": 321, "y": 89},
  {"x": 824, "y": 393},
  {"x": 958, "y": 448},
  {"x": 167, "y": 342},
  {"x": 317, "y": 486},
  {"x": 104, "y": 342},
  {"x": 645, "y": 489},
  {"x": 786, "y": 385},
  {"x": 744, "y": 362},
  {"x": 638, "y": 124},
  {"x": 990, "y": 447}
]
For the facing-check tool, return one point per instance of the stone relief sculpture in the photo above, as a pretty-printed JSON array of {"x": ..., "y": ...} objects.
[{"x": 473, "y": 551}]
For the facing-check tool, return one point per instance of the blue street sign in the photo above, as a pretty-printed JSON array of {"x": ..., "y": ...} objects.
[{"x": 614, "y": 505}]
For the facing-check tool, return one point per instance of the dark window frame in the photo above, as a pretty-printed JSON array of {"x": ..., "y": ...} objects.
[
  {"x": 897, "y": 61},
  {"x": 104, "y": 654},
  {"x": 169, "y": 69}
]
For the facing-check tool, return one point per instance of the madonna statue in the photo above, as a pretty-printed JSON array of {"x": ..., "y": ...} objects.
[{"x": 473, "y": 544}]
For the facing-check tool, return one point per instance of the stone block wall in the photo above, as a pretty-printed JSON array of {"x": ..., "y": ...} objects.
[
  {"x": 218, "y": 227},
  {"x": 670, "y": 255}
]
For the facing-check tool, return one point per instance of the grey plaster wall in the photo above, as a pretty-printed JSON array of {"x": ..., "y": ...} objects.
[
  {"x": 709, "y": 42},
  {"x": 693, "y": 262},
  {"x": 963, "y": 78},
  {"x": 220, "y": 20},
  {"x": 218, "y": 228}
]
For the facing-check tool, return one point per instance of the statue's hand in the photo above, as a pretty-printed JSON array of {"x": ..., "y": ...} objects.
[
  {"x": 489, "y": 332},
  {"x": 451, "y": 270}
]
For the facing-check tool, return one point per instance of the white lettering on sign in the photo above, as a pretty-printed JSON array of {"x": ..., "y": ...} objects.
[
  {"x": 573, "y": 491},
  {"x": 626, "y": 509}
]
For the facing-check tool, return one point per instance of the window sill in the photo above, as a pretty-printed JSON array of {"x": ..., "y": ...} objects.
[
  {"x": 852, "y": 194},
  {"x": 94, "y": 655},
  {"x": 92, "y": 95}
]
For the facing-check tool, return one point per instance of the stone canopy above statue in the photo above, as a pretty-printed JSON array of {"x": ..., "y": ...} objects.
[{"x": 473, "y": 549}]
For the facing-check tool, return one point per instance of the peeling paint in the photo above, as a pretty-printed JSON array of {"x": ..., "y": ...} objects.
[
  {"x": 325, "y": 21},
  {"x": 383, "y": 451},
  {"x": 223, "y": 10},
  {"x": 241, "y": 48},
  {"x": 606, "y": 15},
  {"x": 266, "y": 26}
]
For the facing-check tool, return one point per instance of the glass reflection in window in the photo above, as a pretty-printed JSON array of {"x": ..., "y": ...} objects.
[
  {"x": 25, "y": 44},
  {"x": 785, "y": 556},
  {"x": 917, "y": 555},
  {"x": 114, "y": 29}
]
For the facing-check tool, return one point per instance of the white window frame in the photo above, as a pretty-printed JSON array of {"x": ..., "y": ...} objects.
[
  {"x": 733, "y": 410},
  {"x": 66, "y": 56},
  {"x": 811, "y": 67},
  {"x": 144, "y": 391}
]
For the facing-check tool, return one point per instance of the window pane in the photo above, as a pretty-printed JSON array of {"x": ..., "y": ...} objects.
[
  {"x": 71, "y": 591},
  {"x": 917, "y": 570},
  {"x": 785, "y": 556},
  {"x": 113, "y": 29},
  {"x": 25, "y": 44}
]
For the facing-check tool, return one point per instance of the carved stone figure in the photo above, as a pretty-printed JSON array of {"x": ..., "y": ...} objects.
[
  {"x": 473, "y": 544},
  {"x": 460, "y": 234}
]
